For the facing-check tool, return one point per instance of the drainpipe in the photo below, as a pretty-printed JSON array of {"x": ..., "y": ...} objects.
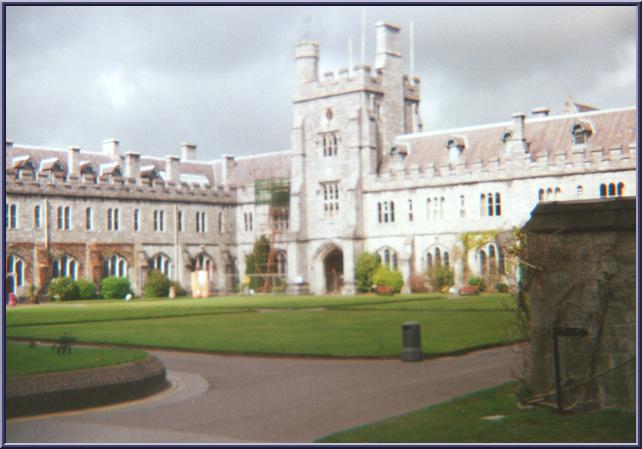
[
  {"x": 177, "y": 276},
  {"x": 46, "y": 224}
]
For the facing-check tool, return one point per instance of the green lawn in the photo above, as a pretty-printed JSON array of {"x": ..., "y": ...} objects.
[
  {"x": 460, "y": 421},
  {"x": 22, "y": 359},
  {"x": 308, "y": 325}
]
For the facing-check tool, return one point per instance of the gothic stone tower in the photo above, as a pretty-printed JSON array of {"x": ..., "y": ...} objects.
[{"x": 342, "y": 125}]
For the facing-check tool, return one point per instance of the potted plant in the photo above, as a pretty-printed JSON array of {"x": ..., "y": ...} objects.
[{"x": 387, "y": 282}]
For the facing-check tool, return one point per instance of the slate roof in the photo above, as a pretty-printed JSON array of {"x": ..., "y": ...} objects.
[
  {"x": 39, "y": 154},
  {"x": 248, "y": 169},
  {"x": 616, "y": 128}
]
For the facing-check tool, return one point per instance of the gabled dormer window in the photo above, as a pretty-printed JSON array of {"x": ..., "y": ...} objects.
[
  {"x": 455, "y": 145},
  {"x": 581, "y": 131}
]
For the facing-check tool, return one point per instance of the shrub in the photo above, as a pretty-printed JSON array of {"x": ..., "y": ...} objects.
[
  {"x": 156, "y": 285},
  {"x": 417, "y": 283},
  {"x": 501, "y": 287},
  {"x": 63, "y": 289},
  {"x": 113, "y": 287},
  {"x": 365, "y": 267},
  {"x": 440, "y": 278},
  {"x": 180, "y": 291},
  {"x": 86, "y": 289},
  {"x": 386, "y": 278},
  {"x": 477, "y": 282}
]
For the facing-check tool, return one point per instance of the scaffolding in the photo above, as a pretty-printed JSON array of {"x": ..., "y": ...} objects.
[{"x": 274, "y": 193}]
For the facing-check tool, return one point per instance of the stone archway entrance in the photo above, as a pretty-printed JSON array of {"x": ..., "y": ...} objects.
[{"x": 333, "y": 270}]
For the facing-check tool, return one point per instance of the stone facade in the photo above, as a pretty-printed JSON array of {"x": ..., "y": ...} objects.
[
  {"x": 362, "y": 175},
  {"x": 583, "y": 264}
]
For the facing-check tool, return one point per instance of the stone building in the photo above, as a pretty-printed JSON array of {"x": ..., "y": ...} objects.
[{"x": 362, "y": 175}]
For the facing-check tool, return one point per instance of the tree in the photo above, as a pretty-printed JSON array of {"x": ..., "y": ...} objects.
[
  {"x": 256, "y": 262},
  {"x": 367, "y": 264}
]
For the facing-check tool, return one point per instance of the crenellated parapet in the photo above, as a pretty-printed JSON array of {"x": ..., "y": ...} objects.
[
  {"x": 577, "y": 161},
  {"x": 115, "y": 188}
]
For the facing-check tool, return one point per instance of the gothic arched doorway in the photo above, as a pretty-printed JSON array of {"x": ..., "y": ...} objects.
[{"x": 333, "y": 269}]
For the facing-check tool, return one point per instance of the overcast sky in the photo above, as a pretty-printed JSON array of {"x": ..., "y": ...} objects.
[{"x": 223, "y": 77}]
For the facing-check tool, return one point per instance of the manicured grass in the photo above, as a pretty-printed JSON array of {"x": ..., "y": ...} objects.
[
  {"x": 23, "y": 360},
  {"x": 460, "y": 421},
  {"x": 320, "y": 326}
]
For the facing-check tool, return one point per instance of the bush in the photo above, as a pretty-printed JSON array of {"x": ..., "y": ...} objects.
[
  {"x": 478, "y": 282},
  {"x": 501, "y": 287},
  {"x": 113, "y": 287},
  {"x": 156, "y": 285},
  {"x": 86, "y": 289},
  {"x": 440, "y": 278},
  {"x": 63, "y": 289},
  {"x": 386, "y": 278},
  {"x": 417, "y": 283},
  {"x": 180, "y": 291},
  {"x": 365, "y": 267}
]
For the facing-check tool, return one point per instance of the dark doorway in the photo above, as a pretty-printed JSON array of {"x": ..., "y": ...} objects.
[{"x": 333, "y": 268}]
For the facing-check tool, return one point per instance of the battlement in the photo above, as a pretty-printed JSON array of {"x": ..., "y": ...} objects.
[
  {"x": 576, "y": 161},
  {"x": 114, "y": 187},
  {"x": 362, "y": 77}
]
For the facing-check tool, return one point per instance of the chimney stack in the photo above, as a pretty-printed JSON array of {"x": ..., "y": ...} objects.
[
  {"x": 172, "y": 168},
  {"x": 188, "y": 152},
  {"x": 132, "y": 165},
  {"x": 387, "y": 44},
  {"x": 110, "y": 148},
  {"x": 518, "y": 139},
  {"x": 73, "y": 162},
  {"x": 540, "y": 112},
  {"x": 228, "y": 164}
]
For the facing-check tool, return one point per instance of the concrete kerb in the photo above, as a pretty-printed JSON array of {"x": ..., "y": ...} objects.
[{"x": 68, "y": 390}]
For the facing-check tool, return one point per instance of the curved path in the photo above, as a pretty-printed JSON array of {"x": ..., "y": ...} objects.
[{"x": 234, "y": 399}]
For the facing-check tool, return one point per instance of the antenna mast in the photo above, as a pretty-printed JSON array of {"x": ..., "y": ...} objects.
[
  {"x": 412, "y": 52},
  {"x": 349, "y": 55},
  {"x": 363, "y": 34}
]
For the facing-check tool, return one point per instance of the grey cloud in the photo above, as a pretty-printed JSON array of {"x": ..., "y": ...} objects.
[{"x": 223, "y": 77}]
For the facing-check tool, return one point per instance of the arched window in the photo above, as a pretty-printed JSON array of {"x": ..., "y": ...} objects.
[
  {"x": 388, "y": 258},
  {"x": 65, "y": 266},
  {"x": 115, "y": 265},
  {"x": 67, "y": 217},
  {"x": 462, "y": 206},
  {"x": 540, "y": 195},
  {"x": 437, "y": 256},
  {"x": 557, "y": 193},
  {"x": 620, "y": 189},
  {"x": 16, "y": 269},
  {"x": 161, "y": 262},
  {"x": 611, "y": 189},
  {"x": 61, "y": 219},
  {"x": 36, "y": 216},
  {"x": 482, "y": 205},
  {"x": 549, "y": 194},
  {"x": 483, "y": 269},
  {"x": 492, "y": 262},
  {"x": 602, "y": 190},
  {"x": 204, "y": 262},
  {"x": 428, "y": 206},
  {"x": 579, "y": 191},
  {"x": 281, "y": 262},
  {"x": 88, "y": 219},
  {"x": 410, "y": 214}
]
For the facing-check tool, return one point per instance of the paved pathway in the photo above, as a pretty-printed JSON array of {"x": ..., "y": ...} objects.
[{"x": 233, "y": 399}]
